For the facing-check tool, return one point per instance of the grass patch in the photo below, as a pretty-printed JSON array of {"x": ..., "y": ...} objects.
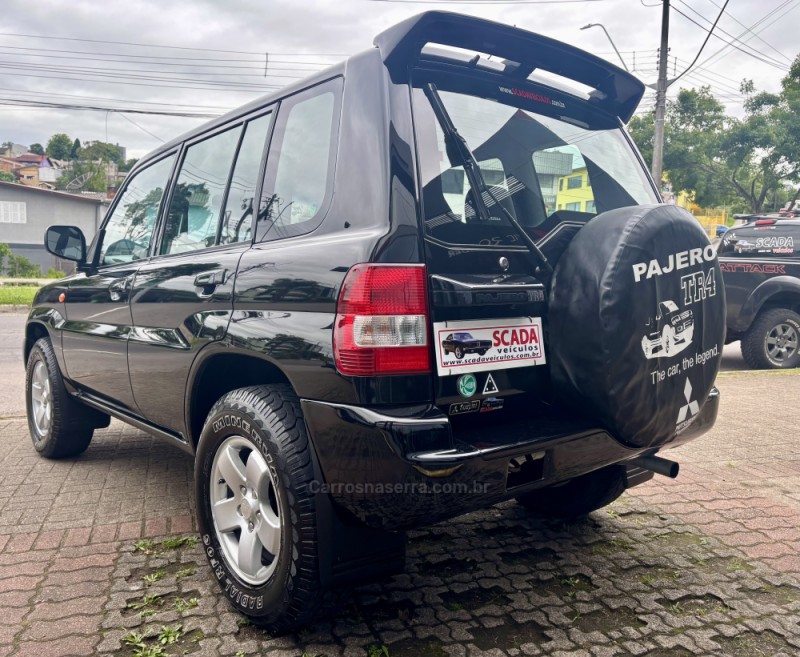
[
  {"x": 182, "y": 604},
  {"x": 17, "y": 294},
  {"x": 178, "y": 542},
  {"x": 152, "y": 578}
]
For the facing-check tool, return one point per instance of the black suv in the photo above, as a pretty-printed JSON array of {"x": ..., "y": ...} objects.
[
  {"x": 760, "y": 262},
  {"x": 274, "y": 292}
]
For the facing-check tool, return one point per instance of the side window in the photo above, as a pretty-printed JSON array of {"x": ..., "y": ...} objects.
[
  {"x": 237, "y": 219},
  {"x": 129, "y": 229},
  {"x": 196, "y": 204},
  {"x": 770, "y": 241},
  {"x": 300, "y": 166}
]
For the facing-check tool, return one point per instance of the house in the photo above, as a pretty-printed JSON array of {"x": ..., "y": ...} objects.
[
  {"x": 27, "y": 211},
  {"x": 8, "y": 165},
  {"x": 575, "y": 190},
  {"x": 9, "y": 149},
  {"x": 36, "y": 170}
]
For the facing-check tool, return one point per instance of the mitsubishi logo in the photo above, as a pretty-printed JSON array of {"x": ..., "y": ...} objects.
[{"x": 691, "y": 407}]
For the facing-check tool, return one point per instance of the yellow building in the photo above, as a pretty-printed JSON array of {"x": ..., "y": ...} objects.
[{"x": 575, "y": 192}]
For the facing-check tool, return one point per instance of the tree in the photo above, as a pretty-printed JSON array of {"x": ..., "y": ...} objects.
[
  {"x": 722, "y": 159},
  {"x": 95, "y": 181},
  {"x": 782, "y": 112},
  {"x": 128, "y": 164},
  {"x": 16, "y": 266},
  {"x": 59, "y": 146},
  {"x": 102, "y": 151},
  {"x": 76, "y": 149},
  {"x": 37, "y": 148},
  {"x": 5, "y": 176}
]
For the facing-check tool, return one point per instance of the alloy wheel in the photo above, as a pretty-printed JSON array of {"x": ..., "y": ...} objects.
[
  {"x": 244, "y": 506},
  {"x": 41, "y": 399},
  {"x": 781, "y": 343}
]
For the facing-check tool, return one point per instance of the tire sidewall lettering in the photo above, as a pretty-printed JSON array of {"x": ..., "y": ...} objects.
[{"x": 240, "y": 594}]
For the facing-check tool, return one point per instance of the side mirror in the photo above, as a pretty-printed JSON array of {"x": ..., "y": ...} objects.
[{"x": 66, "y": 242}]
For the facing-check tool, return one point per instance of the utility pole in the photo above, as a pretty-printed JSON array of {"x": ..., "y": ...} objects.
[{"x": 661, "y": 97}]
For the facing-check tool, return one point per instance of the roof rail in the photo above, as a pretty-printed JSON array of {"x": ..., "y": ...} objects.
[{"x": 401, "y": 45}]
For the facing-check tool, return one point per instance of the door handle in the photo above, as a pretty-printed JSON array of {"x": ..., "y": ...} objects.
[
  {"x": 209, "y": 280},
  {"x": 119, "y": 289}
]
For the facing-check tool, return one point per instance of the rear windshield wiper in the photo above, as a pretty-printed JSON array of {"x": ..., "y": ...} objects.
[{"x": 458, "y": 151}]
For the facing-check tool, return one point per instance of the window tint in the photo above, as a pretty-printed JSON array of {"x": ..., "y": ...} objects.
[
  {"x": 237, "y": 219},
  {"x": 539, "y": 163},
  {"x": 305, "y": 146},
  {"x": 130, "y": 228},
  {"x": 196, "y": 203},
  {"x": 775, "y": 240}
]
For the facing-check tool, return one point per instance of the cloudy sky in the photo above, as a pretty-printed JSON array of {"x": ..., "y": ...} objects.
[{"x": 112, "y": 54}]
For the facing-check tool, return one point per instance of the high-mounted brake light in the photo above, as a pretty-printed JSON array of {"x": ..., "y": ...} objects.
[
  {"x": 382, "y": 321},
  {"x": 765, "y": 222}
]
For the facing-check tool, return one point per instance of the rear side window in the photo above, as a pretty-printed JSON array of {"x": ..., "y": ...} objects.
[
  {"x": 301, "y": 163},
  {"x": 237, "y": 219},
  {"x": 196, "y": 203},
  {"x": 772, "y": 240},
  {"x": 129, "y": 229}
]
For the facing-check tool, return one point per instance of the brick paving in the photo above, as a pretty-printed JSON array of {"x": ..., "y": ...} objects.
[{"x": 97, "y": 556}]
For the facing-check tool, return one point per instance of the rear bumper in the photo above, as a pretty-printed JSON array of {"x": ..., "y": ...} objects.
[{"x": 406, "y": 467}]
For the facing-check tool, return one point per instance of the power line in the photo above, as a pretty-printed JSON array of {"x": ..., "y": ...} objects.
[
  {"x": 785, "y": 6},
  {"x": 142, "y": 128},
  {"x": 729, "y": 44},
  {"x": 173, "y": 57},
  {"x": 114, "y": 100},
  {"x": 153, "y": 45},
  {"x": 728, "y": 34},
  {"x": 157, "y": 62},
  {"x": 747, "y": 29},
  {"x": 135, "y": 73},
  {"x": 26, "y": 102},
  {"x": 263, "y": 88}
]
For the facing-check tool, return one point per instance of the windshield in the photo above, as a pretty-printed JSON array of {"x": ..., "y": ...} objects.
[{"x": 541, "y": 169}]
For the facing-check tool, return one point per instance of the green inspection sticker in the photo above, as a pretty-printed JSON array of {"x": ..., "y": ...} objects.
[{"x": 467, "y": 385}]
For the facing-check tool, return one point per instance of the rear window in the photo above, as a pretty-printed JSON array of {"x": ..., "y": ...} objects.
[
  {"x": 773, "y": 240},
  {"x": 542, "y": 169}
]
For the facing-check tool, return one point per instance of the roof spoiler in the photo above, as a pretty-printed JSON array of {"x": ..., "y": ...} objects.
[{"x": 400, "y": 47}]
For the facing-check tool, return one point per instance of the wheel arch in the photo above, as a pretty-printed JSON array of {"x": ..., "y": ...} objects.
[
  {"x": 218, "y": 372},
  {"x": 778, "y": 292},
  {"x": 34, "y": 331}
]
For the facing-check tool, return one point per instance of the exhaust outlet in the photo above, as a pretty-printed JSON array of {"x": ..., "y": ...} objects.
[{"x": 659, "y": 465}]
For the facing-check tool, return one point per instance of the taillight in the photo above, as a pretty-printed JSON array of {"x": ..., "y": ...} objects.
[{"x": 382, "y": 321}]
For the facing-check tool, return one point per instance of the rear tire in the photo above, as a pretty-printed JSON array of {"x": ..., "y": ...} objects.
[
  {"x": 773, "y": 341},
  {"x": 578, "y": 497},
  {"x": 60, "y": 425},
  {"x": 255, "y": 506}
]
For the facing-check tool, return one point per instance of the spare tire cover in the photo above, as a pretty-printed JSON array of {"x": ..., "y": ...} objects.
[{"x": 637, "y": 322}]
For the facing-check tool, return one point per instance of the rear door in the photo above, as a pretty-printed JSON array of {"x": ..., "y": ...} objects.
[
  {"x": 99, "y": 323},
  {"x": 182, "y": 298},
  {"x": 750, "y": 255},
  {"x": 553, "y": 176}
]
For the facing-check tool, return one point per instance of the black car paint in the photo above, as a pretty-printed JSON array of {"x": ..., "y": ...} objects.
[
  {"x": 276, "y": 309},
  {"x": 755, "y": 281}
]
